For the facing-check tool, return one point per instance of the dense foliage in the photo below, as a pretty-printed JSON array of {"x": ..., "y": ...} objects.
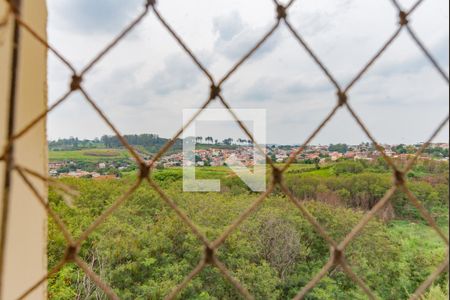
[
  {"x": 150, "y": 142},
  {"x": 144, "y": 250}
]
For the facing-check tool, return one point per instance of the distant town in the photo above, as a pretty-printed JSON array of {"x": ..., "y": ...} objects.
[{"x": 106, "y": 158}]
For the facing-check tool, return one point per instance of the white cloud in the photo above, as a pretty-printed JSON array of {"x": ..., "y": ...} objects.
[
  {"x": 236, "y": 38},
  {"x": 91, "y": 17},
  {"x": 146, "y": 82}
]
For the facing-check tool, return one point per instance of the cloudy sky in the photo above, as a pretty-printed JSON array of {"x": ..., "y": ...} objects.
[{"x": 144, "y": 84}]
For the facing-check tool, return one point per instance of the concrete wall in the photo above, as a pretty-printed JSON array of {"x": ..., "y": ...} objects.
[{"x": 26, "y": 236}]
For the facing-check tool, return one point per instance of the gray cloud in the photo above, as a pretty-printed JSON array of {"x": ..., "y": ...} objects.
[
  {"x": 228, "y": 26},
  {"x": 235, "y": 37},
  {"x": 263, "y": 89},
  {"x": 302, "y": 87},
  {"x": 268, "y": 88},
  {"x": 179, "y": 73},
  {"x": 125, "y": 87},
  {"x": 315, "y": 22},
  {"x": 442, "y": 51},
  {"x": 118, "y": 88},
  {"x": 419, "y": 61},
  {"x": 97, "y": 16}
]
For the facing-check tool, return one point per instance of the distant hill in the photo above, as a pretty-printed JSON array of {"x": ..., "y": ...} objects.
[
  {"x": 150, "y": 143},
  {"x": 146, "y": 144}
]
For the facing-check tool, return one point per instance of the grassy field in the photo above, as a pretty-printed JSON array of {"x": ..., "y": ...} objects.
[
  {"x": 423, "y": 250},
  {"x": 418, "y": 235},
  {"x": 200, "y": 173},
  {"x": 324, "y": 171},
  {"x": 223, "y": 172},
  {"x": 88, "y": 155}
]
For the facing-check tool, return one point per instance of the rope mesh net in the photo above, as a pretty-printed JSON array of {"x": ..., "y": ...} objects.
[{"x": 338, "y": 248}]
